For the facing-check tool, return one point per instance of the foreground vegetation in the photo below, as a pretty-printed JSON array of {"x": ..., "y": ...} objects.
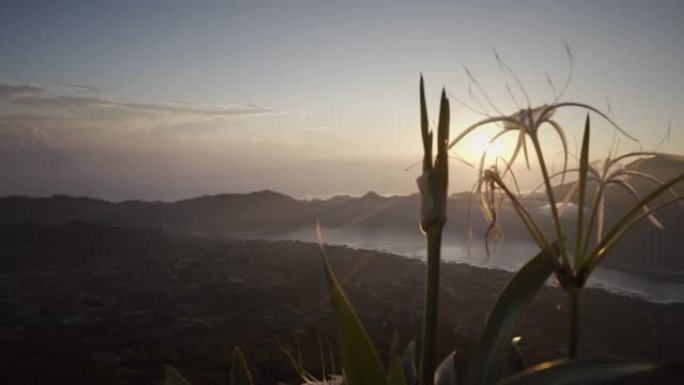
[
  {"x": 496, "y": 357},
  {"x": 115, "y": 308}
]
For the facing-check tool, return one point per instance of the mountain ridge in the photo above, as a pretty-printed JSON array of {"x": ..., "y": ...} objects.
[{"x": 267, "y": 211}]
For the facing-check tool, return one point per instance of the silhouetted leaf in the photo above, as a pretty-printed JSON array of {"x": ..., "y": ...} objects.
[
  {"x": 239, "y": 373},
  {"x": 408, "y": 362},
  {"x": 515, "y": 362},
  {"x": 395, "y": 372},
  {"x": 493, "y": 349},
  {"x": 664, "y": 374},
  {"x": 445, "y": 373},
  {"x": 583, "y": 170},
  {"x": 360, "y": 359},
  {"x": 173, "y": 377},
  {"x": 580, "y": 372}
]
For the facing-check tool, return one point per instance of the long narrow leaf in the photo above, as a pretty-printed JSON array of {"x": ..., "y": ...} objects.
[
  {"x": 664, "y": 374},
  {"x": 515, "y": 362},
  {"x": 239, "y": 371},
  {"x": 626, "y": 228},
  {"x": 408, "y": 362},
  {"x": 493, "y": 349},
  {"x": 425, "y": 130},
  {"x": 584, "y": 166},
  {"x": 580, "y": 372},
  {"x": 395, "y": 372},
  {"x": 360, "y": 360},
  {"x": 617, "y": 231},
  {"x": 445, "y": 373},
  {"x": 173, "y": 377}
]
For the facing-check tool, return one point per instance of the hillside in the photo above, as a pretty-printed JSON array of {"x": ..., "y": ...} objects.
[
  {"x": 240, "y": 215},
  {"x": 109, "y": 305}
]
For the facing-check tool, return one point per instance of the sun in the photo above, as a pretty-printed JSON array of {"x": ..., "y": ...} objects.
[{"x": 473, "y": 146}]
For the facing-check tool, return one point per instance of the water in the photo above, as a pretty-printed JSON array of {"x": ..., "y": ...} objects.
[{"x": 507, "y": 255}]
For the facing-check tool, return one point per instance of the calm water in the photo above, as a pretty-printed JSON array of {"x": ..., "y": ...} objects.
[{"x": 507, "y": 255}]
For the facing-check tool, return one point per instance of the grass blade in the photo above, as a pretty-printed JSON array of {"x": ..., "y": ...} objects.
[
  {"x": 664, "y": 374},
  {"x": 493, "y": 350},
  {"x": 445, "y": 373},
  {"x": 425, "y": 130},
  {"x": 360, "y": 360},
  {"x": 515, "y": 362},
  {"x": 617, "y": 231},
  {"x": 395, "y": 372},
  {"x": 584, "y": 167},
  {"x": 580, "y": 372},
  {"x": 239, "y": 371},
  {"x": 408, "y": 362},
  {"x": 173, "y": 377}
]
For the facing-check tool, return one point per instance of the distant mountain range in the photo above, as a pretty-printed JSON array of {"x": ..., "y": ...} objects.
[{"x": 268, "y": 211}]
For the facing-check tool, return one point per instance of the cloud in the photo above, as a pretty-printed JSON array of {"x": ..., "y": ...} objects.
[
  {"x": 22, "y": 136},
  {"x": 570, "y": 210},
  {"x": 80, "y": 88},
  {"x": 45, "y": 98},
  {"x": 11, "y": 91}
]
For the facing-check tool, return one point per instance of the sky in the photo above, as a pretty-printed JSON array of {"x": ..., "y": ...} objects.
[{"x": 174, "y": 99}]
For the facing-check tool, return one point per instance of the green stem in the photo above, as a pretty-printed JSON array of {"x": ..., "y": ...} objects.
[
  {"x": 573, "y": 333},
  {"x": 586, "y": 237},
  {"x": 427, "y": 359},
  {"x": 552, "y": 201}
]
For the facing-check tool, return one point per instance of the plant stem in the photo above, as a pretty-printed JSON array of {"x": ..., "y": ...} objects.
[
  {"x": 552, "y": 201},
  {"x": 427, "y": 359},
  {"x": 573, "y": 333}
]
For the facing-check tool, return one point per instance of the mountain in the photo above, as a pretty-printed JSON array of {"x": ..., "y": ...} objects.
[
  {"x": 238, "y": 215},
  {"x": 646, "y": 248}
]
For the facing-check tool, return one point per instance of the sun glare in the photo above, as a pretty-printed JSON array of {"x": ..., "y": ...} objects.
[{"x": 473, "y": 146}]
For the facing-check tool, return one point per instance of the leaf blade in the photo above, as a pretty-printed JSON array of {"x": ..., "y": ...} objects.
[
  {"x": 581, "y": 371},
  {"x": 360, "y": 360},
  {"x": 239, "y": 371},
  {"x": 494, "y": 346},
  {"x": 445, "y": 373},
  {"x": 173, "y": 376}
]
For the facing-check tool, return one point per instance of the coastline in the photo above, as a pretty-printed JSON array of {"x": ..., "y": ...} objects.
[{"x": 111, "y": 305}]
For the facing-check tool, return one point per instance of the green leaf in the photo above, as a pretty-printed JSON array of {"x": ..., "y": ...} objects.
[
  {"x": 395, "y": 372},
  {"x": 445, "y": 373},
  {"x": 583, "y": 170},
  {"x": 625, "y": 223},
  {"x": 515, "y": 362},
  {"x": 425, "y": 130},
  {"x": 408, "y": 361},
  {"x": 580, "y": 372},
  {"x": 173, "y": 377},
  {"x": 239, "y": 373},
  {"x": 360, "y": 360},
  {"x": 664, "y": 374},
  {"x": 492, "y": 351}
]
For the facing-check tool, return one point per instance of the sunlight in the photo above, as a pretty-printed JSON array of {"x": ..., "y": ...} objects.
[{"x": 475, "y": 145}]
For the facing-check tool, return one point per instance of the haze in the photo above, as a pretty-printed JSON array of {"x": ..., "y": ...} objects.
[{"x": 167, "y": 100}]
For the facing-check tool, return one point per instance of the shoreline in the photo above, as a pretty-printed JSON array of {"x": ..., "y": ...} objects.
[
  {"x": 108, "y": 305},
  {"x": 610, "y": 279}
]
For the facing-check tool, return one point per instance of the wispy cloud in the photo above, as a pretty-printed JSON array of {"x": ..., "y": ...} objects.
[
  {"x": 80, "y": 88},
  {"x": 51, "y": 98},
  {"x": 22, "y": 136},
  {"x": 11, "y": 91}
]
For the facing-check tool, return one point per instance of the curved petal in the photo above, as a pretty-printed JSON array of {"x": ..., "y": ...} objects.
[
  {"x": 649, "y": 177},
  {"x": 568, "y": 197},
  {"x": 627, "y": 187},
  {"x": 554, "y": 175},
  {"x": 472, "y": 127},
  {"x": 601, "y": 218},
  {"x": 590, "y": 108},
  {"x": 564, "y": 142}
]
